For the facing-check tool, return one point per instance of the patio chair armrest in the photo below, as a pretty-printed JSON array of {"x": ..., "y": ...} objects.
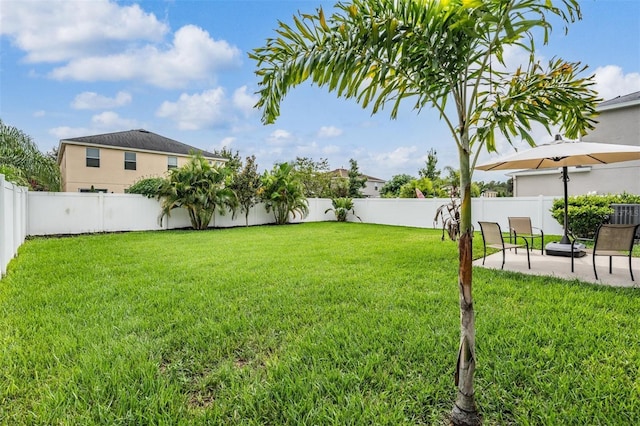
[{"x": 515, "y": 239}]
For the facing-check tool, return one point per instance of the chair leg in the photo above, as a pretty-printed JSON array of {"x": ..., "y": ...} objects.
[
  {"x": 630, "y": 270},
  {"x": 503, "y": 258},
  {"x": 542, "y": 245},
  {"x": 484, "y": 255},
  {"x": 528, "y": 259},
  {"x": 610, "y": 264},
  {"x": 594, "y": 265}
]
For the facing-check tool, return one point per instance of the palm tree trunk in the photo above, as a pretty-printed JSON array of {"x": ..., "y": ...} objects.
[{"x": 464, "y": 410}]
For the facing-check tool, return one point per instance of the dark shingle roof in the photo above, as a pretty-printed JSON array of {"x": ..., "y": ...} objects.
[
  {"x": 140, "y": 139},
  {"x": 621, "y": 99}
]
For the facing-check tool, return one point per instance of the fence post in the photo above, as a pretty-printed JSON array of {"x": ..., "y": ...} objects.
[
  {"x": 17, "y": 219},
  {"x": 4, "y": 258}
]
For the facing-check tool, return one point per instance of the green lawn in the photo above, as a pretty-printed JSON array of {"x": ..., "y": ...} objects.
[{"x": 319, "y": 323}]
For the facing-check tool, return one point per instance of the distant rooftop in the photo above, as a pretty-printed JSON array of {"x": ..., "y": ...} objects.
[
  {"x": 345, "y": 173},
  {"x": 631, "y": 97},
  {"x": 140, "y": 139}
]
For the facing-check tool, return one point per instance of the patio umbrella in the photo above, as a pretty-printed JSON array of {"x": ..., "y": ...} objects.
[{"x": 564, "y": 153}]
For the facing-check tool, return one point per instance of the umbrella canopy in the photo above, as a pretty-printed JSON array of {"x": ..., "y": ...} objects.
[{"x": 564, "y": 153}]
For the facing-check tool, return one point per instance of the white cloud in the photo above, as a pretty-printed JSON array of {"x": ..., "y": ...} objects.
[
  {"x": 104, "y": 122},
  {"x": 224, "y": 143},
  {"x": 92, "y": 100},
  {"x": 193, "y": 112},
  {"x": 611, "y": 81},
  {"x": 193, "y": 56},
  {"x": 331, "y": 149},
  {"x": 399, "y": 157},
  {"x": 209, "y": 108},
  {"x": 279, "y": 137},
  {"x": 329, "y": 132},
  {"x": 111, "y": 120},
  {"x": 55, "y": 30},
  {"x": 65, "y": 132},
  {"x": 244, "y": 101}
]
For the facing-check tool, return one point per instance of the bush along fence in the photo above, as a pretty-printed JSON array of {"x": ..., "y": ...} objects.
[{"x": 61, "y": 213}]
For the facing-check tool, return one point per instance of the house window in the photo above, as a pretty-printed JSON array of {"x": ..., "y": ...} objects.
[
  {"x": 93, "y": 157},
  {"x": 129, "y": 160},
  {"x": 172, "y": 163}
]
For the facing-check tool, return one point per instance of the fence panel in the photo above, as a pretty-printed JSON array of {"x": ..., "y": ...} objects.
[
  {"x": 13, "y": 221},
  {"x": 74, "y": 213}
]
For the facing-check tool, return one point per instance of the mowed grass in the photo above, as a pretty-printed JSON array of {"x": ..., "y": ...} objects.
[{"x": 311, "y": 324}]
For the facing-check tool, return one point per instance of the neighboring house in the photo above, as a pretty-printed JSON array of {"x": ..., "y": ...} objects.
[
  {"x": 112, "y": 162},
  {"x": 618, "y": 123},
  {"x": 372, "y": 186}
]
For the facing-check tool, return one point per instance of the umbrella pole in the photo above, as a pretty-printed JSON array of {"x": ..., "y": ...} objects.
[
  {"x": 564, "y": 246},
  {"x": 565, "y": 179}
]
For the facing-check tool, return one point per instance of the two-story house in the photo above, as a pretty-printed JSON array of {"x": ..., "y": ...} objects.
[
  {"x": 114, "y": 161},
  {"x": 372, "y": 186}
]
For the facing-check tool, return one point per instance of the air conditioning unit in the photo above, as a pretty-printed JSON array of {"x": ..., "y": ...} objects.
[{"x": 626, "y": 214}]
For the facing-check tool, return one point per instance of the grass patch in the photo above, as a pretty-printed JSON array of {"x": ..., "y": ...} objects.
[{"x": 319, "y": 323}]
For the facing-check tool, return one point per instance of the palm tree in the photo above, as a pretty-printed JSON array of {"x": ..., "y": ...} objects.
[
  {"x": 198, "y": 187},
  {"x": 341, "y": 208},
  {"x": 20, "y": 155},
  {"x": 438, "y": 53},
  {"x": 283, "y": 193}
]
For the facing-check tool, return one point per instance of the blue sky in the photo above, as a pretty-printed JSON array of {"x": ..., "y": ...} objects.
[{"x": 72, "y": 68}]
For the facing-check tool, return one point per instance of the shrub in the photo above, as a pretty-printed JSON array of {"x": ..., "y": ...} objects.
[
  {"x": 149, "y": 187},
  {"x": 586, "y": 212},
  {"x": 283, "y": 193},
  {"x": 13, "y": 175},
  {"x": 199, "y": 188},
  {"x": 341, "y": 207}
]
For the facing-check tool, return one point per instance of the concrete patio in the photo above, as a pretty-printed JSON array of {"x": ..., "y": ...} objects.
[{"x": 560, "y": 267}]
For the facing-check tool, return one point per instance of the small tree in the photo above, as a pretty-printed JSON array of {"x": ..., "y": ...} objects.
[
  {"x": 408, "y": 190},
  {"x": 314, "y": 175},
  {"x": 448, "y": 55},
  {"x": 356, "y": 180},
  {"x": 430, "y": 171},
  {"x": 233, "y": 163},
  {"x": 283, "y": 193},
  {"x": 391, "y": 188},
  {"x": 246, "y": 185},
  {"x": 199, "y": 188}
]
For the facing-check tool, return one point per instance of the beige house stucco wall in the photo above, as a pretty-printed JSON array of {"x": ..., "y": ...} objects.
[{"x": 111, "y": 175}]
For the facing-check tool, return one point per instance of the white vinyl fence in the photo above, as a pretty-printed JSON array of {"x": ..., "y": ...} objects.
[
  {"x": 13, "y": 221},
  {"x": 420, "y": 212},
  {"x": 25, "y": 213},
  {"x": 56, "y": 213}
]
